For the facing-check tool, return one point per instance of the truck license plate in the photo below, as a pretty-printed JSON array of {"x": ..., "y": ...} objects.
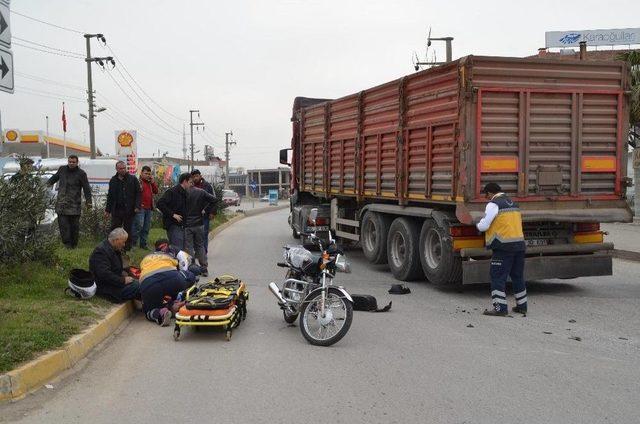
[
  {"x": 537, "y": 242},
  {"x": 320, "y": 228}
]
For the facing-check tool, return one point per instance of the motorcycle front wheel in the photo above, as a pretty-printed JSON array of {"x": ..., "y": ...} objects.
[{"x": 328, "y": 329}]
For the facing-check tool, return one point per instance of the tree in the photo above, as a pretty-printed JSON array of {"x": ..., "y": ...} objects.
[{"x": 633, "y": 59}]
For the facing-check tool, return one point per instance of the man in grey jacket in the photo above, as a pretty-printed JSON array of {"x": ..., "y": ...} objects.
[
  {"x": 71, "y": 182},
  {"x": 199, "y": 203}
]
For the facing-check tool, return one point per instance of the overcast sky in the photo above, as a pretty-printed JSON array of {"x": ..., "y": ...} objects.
[{"x": 243, "y": 62}]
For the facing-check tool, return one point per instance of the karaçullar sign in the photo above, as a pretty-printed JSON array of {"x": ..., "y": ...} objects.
[{"x": 593, "y": 37}]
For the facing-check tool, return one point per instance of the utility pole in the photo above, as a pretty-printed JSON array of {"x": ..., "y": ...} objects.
[
  {"x": 89, "y": 60},
  {"x": 48, "y": 148},
  {"x": 184, "y": 143},
  {"x": 191, "y": 125},
  {"x": 227, "y": 143}
]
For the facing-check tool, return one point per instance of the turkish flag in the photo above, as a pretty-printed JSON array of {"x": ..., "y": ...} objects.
[{"x": 64, "y": 119}]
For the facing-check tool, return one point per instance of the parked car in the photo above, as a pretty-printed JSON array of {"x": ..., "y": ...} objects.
[{"x": 230, "y": 198}]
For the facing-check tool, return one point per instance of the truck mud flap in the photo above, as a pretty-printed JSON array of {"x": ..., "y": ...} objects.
[{"x": 545, "y": 267}]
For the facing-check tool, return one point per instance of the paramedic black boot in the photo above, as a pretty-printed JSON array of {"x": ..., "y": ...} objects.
[{"x": 520, "y": 310}]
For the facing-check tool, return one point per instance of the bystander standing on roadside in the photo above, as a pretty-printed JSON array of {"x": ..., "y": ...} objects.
[
  {"x": 142, "y": 221},
  {"x": 210, "y": 212},
  {"x": 199, "y": 203},
  {"x": 173, "y": 205},
  {"x": 72, "y": 181},
  {"x": 123, "y": 200},
  {"x": 105, "y": 263}
]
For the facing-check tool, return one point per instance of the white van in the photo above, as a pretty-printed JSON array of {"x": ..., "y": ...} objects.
[{"x": 99, "y": 172}]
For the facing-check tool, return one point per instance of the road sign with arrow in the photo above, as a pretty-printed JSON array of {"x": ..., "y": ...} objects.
[
  {"x": 6, "y": 70},
  {"x": 6, "y": 56},
  {"x": 5, "y": 28}
]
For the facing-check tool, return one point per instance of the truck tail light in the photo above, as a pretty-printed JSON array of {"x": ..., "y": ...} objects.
[
  {"x": 464, "y": 231},
  {"x": 319, "y": 221},
  {"x": 586, "y": 227}
]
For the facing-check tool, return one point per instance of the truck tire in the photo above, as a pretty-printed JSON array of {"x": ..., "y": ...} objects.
[
  {"x": 373, "y": 238},
  {"x": 402, "y": 250},
  {"x": 439, "y": 263}
]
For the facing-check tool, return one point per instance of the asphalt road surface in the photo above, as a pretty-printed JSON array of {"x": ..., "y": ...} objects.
[{"x": 432, "y": 358}]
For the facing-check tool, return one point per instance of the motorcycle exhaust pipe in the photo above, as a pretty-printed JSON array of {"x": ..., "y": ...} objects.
[{"x": 277, "y": 293}]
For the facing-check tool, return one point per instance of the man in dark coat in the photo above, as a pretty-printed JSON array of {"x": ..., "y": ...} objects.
[
  {"x": 199, "y": 203},
  {"x": 210, "y": 213},
  {"x": 72, "y": 181},
  {"x": 105, "y": 263},
  {"x": 123, "y": 200},
  {"x": 173, "y": 205}
]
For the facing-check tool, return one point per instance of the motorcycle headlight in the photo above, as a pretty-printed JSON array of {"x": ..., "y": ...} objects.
[{"x": 342, "y": 265}]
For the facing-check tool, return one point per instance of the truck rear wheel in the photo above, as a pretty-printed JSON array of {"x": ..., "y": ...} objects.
[
  {"x": 373, "y": 238},
  {"x": 439, "y": 263},
  {"x": 402, "y": 250}
]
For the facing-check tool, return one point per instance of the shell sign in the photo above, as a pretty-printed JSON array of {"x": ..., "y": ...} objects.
[
  {"x": 126, "y": 143},
  {"x": 12, "y": 136}
]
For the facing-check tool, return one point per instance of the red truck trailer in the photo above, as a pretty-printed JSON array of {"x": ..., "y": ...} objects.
[{"x": 399, "y": 167}]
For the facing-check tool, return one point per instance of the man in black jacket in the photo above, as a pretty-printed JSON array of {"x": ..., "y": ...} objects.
[
  {"x": 105, "y": 263},
  {"x": 210, "y": 212},
  {"x": 173, "y": 205},
  {"x": 123, "y": 200},
  {"x": 72, "y": 181},
  {"x": 199, "y": 203}
]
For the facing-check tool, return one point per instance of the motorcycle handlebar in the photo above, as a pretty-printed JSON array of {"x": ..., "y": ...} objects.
[{"x": 282, "y": 265}]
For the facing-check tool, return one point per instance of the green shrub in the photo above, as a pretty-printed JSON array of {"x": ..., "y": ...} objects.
[{"x": 24, "y": 201}]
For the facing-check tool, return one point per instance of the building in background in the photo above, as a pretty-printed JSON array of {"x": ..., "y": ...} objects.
[
  {"x": 258, "y": 182},
  {"x": 36, "y": 144}
]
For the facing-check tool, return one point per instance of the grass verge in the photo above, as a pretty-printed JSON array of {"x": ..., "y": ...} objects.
[{"x": 36, "y": 315}]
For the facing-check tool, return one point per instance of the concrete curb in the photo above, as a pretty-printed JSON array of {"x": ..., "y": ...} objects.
[
  {"x": 242, "y": 215},
  {"x": 15, "y": 384},
  {"x": 31, "y": 376},
  {"x": 626, "y": 255}
]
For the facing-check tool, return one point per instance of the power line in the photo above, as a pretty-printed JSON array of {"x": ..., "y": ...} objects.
[
  {"x": 49, "y": 81},
  {"x": 45, "y": 51},
  {"x": 134, "y": 103},
  {"x": 49, "y": 97},
  {"x": 140, "y": 87},
  {"x": 123, "y": 116},
  {"x": 46, "y": 46},
  {"x": 144, "y": 103},
  {"x": 62, "y": 95},
  {"x": 140, "y": 133},
  {"x": 46, "y": 23}
]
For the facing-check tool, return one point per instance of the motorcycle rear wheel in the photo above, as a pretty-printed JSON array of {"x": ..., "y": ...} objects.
[{"x": 340, "y": 315}]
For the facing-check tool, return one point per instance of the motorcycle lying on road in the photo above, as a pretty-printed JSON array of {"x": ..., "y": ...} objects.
[{"x": 325, "y": 310}]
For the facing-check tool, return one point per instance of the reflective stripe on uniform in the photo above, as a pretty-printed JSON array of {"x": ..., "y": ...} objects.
[{"x": 521, "y": 301}]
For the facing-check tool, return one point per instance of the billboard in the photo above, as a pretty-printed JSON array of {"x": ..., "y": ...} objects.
[
  {"x": 593, "y": 37},
  {"x": 127, "y": 149}
]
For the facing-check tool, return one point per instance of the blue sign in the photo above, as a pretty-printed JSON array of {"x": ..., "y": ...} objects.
[
  {"x": 273, "y": 197},
  {"x": 253, "y": 186}
]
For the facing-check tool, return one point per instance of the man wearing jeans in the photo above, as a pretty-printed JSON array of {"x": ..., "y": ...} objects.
[
  {"x": 198, "y": 203},
  {"x": 209, "y": 214},
  {"x": 173, "y": 205},
  {"x": 143, "y": 218}
]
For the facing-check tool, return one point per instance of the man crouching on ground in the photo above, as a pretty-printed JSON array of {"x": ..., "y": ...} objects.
[
  {"x": 161, "y": 282},
  {"x": 502, "y": 225},
  {"x": 105, "y": 263}
]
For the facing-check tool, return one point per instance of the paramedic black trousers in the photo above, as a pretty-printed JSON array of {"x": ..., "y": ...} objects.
[
  {"x": 69, "y": 229},
  {"x": 505, "y": 264}
]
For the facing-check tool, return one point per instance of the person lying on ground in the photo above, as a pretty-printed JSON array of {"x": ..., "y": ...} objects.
[
  {"x": 161, "y": 281},
  {"x": 105, "y": 263}
]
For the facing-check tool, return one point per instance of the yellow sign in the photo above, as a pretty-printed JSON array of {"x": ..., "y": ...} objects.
[
  {"x": 125, "y": 139},
  {"x": 11, "y": 135}
]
